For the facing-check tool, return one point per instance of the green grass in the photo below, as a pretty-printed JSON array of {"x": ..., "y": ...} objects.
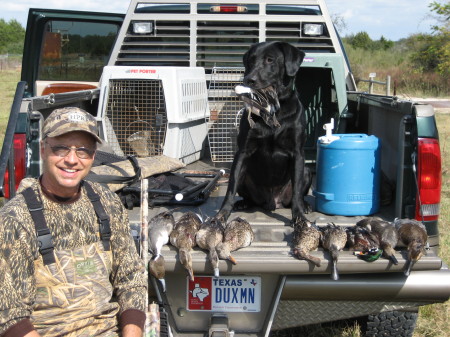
[
  {"x": 8, "y": 83},
  {"x": 337, "y": 329}
]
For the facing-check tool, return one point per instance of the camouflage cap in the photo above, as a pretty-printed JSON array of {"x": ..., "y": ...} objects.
[{"x": 64, "y": 120}]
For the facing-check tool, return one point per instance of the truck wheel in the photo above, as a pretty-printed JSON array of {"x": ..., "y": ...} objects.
[{"x": 390, "y": 323}]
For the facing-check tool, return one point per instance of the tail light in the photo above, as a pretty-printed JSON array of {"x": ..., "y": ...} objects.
[
  {"x": 429, "y": 176},
  {"x": 19, "y": 163},
  {"x": 56, "y": 88},
  {"x": 228, "y": 9}
]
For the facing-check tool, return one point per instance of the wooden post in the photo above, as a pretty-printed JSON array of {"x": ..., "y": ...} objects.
[
  {"x": 388, "y": 85},
  {"x": 371, "y": 81},
  {"x": 144, "y": 245}
]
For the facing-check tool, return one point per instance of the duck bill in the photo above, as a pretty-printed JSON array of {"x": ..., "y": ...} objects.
[
  {"x": 191, "y": 274},
  {"x": 232, "y": 260},
  {"x": 408, "y": 267},
  {"x": 393, "y": 259},
  {"x": 334, "y": 271},
  {"x": 163, "y": 284}
]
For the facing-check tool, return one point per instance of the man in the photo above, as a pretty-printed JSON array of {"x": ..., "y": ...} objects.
[{"x": 68, "y": 263}]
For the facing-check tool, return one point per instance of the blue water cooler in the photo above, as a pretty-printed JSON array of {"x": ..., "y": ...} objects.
[{"x": 347, "y": 174}]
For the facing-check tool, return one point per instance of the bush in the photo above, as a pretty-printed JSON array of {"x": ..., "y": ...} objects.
[
  {"x": 12, "y": 36},
  {"x": 407, "y": 77}
]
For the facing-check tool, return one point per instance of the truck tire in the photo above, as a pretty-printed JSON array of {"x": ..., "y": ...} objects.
[{"x": 390, "y": 323}]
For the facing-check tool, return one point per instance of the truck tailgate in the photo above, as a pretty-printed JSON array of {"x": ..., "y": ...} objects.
[{"x": 270, "y": 251}]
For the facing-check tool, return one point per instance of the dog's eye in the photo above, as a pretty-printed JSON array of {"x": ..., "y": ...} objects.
[{"x": 269, "y": 59}]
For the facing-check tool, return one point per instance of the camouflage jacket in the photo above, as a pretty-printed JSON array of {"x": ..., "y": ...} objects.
[{"x": 72, "y": 225}]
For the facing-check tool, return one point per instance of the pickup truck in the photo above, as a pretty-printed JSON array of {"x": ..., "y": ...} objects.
[{"x": 166, "y": 72}]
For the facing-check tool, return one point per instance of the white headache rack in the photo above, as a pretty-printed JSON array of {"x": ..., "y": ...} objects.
[
  {"x": 148, "y": 111},
  {"x": 205, "y": 33}
]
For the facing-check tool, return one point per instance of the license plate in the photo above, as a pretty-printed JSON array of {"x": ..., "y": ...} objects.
[{"x": 224, "y": 293}]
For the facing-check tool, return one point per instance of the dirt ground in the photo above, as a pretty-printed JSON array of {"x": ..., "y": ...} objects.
[{"x": 440, "y": 105}]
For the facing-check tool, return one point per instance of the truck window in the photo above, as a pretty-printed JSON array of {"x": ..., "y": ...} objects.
[{"x": 75, "y": 51}]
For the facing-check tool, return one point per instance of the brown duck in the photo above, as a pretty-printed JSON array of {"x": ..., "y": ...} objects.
[
  {"x": 334, "y": 239},
  {"x": 159, "y": 229},
  {"x": 262, "y": 102},
  {"x": 385, "y": 232},
  {"x": 413, "y": 235},
  {"x": 158, "y": 270},
  {"x": 306, "y": 238},
  {"x": 238, "y": 234},
  {"x": 183, "y": 237},
  {"x": 361, "y": 239},
  {"x": 208, "y": 237}
]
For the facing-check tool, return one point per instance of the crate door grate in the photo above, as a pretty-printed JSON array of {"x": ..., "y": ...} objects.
[
  {"x": 136, "y": 111},
  {"x": 224, "y": 112}
]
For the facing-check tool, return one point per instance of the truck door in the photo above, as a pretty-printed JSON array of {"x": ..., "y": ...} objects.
[{"x": 66, "y": 50}]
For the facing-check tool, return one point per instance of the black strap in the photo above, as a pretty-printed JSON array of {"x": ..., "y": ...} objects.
[
  {"x": 44, "y": 237},
  {"x": 103, "y": 218},
  {"x": 137, "y": 170}
]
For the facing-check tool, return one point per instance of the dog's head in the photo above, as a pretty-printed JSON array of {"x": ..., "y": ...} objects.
[{"x": 271, "y": 64}]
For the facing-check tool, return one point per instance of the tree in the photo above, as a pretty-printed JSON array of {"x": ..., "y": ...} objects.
[
  {"x": 441, "y": 9},
  {"x": 443, "y": 32},
  {"x": 434, "y": 54},
  {"x": 339, "y": 22},
  {"x": 383, "y": 43},
  {"x": 361, "y": 40},
  {"x": 12, "y": 35}
]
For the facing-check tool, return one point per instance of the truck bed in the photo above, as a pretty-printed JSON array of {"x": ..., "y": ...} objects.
[{"x": 271, "y": 248}]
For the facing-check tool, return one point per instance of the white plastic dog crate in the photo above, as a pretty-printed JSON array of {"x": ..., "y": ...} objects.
[{"x": 147, "y": 111}]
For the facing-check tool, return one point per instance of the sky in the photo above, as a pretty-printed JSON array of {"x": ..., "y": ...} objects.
[{"x": 393, "y": 19}]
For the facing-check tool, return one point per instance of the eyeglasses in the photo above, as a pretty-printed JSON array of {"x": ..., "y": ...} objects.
[{"x": 63, "y": 151}]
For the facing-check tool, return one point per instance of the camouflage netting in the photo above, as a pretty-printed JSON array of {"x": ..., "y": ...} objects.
[{"x": 149, "y": 166}]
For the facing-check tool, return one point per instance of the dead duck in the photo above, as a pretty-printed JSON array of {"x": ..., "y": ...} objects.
[
  {"x": 262, "y": 102},
  {"x": 334, "y": 239},
  {"x": 306, "y": 238},
  {"x": 157, "y": 269},
  {"x": 360, "y": 239},
  {"x": 365, "y": 244},
  {"x": 385, "y": 232},
  {"x": 237, "y": 234},
  {"x": 208, "y": 237},
  {"x": 413, "y": 235},
  {"x": 159, "y": 228},
  {"x": 183, "y": 238}
]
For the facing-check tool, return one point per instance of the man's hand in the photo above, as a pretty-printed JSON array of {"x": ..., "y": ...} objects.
[{"x": 131, "y": 330}]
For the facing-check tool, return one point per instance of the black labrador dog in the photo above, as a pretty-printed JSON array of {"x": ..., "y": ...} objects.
[{"x": 268, "y": 169}]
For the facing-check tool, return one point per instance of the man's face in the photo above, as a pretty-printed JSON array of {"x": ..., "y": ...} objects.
[{"x": 62, "y": 173}]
